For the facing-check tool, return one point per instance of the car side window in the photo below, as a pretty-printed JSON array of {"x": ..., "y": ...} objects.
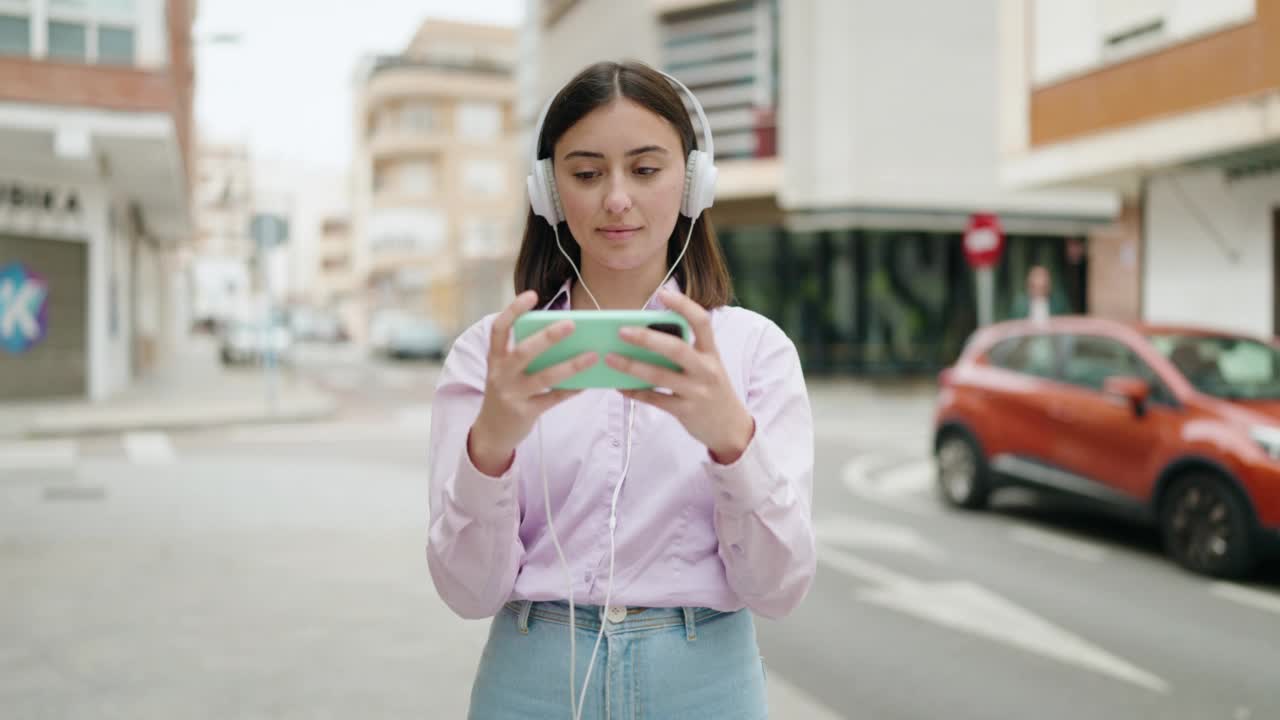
[
  {"x": 1091, "y": 360},
  {"x": 1027, "y": 354}
]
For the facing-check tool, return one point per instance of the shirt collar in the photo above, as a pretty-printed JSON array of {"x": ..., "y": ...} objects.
[{"x": 560, "y": 301}]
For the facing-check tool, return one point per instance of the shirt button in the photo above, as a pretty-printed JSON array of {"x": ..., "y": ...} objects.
[
  {"x": 614, "y": 442},
  {"x": 617, "y": 613}
]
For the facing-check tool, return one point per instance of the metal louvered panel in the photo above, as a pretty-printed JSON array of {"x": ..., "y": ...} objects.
[
  {"x": 717, "y": 73},
  {"x": 736, "y": 119},
  {"x": 676, "y": 31},
  {"x": 711, "y": 49},
  {"x": 725, "y": 55},
  {"x": 726, "y": 96},
  {"x": 735, "y": 144}
]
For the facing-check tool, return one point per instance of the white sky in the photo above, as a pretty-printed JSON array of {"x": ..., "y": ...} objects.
[{"x": 285, "y": 88}]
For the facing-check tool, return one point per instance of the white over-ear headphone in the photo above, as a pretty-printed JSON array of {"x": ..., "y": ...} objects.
[{"x": 699, "y": 179}]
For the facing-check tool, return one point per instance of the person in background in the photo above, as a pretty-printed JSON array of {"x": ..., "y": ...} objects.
[{"x": 1039, "y": 303}]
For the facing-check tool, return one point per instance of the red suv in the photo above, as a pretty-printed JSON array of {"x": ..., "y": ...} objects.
[{"x": 1179, "y": 423}]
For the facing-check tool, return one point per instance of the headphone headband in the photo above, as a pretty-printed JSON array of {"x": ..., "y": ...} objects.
[{"x": 708, "y": 144}]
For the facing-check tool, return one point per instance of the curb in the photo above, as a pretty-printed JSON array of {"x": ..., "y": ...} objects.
[{"x": 43, "y": 428}]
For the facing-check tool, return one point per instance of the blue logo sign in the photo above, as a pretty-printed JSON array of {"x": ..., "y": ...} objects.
[{"x": 24, "y": 310}]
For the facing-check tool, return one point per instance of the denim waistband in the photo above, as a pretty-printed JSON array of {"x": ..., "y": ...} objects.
[{"x": 589, "y": 617}]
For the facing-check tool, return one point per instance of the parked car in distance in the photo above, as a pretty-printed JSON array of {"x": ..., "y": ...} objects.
[
  {"x": 415, "y": 338},
  {"x": 316, "y": 325},
  {"x": 245, "y": 341},
  {"x": 1181, "y": 425},
  {"x": 381, "y": 325}
]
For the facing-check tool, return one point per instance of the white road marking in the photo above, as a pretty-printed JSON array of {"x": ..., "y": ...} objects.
[
  {"x": 1247, "y": 596},
  {"x": 853, "y": 532},
  {"x": 915, "y": 478},
  {"x": 148, "y": 448},
  {"x": 971, "y": 608},
  {"x": 904, "y": 488},
  {"x": 38, "y": 455},
  {"x": 1059, "y": 544}
]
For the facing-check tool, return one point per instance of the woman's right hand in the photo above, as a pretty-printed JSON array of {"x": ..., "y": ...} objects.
[{"x": 513, "y": 401}]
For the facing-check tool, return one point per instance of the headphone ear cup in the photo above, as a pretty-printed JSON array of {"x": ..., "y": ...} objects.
[
  {"x": 549, "y": 173},
  {"x": 699, "y": 184},
  {"x": 543, "y": 196},
  {"x": 690, "y": 183}
]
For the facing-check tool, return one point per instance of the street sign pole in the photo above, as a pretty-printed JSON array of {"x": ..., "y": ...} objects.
[
  {"x": 268, "y": 349},
  {"x": 983, "y": 245},
  {"x": 986, "y": 287},
  {"x": 269, "y": 231}
]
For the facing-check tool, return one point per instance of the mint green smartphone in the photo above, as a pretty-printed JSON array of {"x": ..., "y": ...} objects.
[{"x": 597, "y": 330}]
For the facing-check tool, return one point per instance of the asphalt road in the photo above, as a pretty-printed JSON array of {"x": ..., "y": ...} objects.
[{"x": 277, "y": 571}]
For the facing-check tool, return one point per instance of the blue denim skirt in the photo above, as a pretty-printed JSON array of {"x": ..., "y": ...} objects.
[{"x": 653, "y": 664}]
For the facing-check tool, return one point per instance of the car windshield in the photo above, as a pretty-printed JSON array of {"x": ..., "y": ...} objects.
[{"x": 1234, "y": 368}]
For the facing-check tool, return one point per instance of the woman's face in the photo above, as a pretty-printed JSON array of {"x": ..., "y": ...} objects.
[{"x": 620, "y": 173}]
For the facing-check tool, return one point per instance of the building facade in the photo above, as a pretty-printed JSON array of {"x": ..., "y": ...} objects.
[
  {"x": 435, "y": 188},
  {"x": 222, "y": 204},
  {"x": 849, "y": 165},
  {"x": 1175, "y": 106},
  {"x": 96, "y": 139}
]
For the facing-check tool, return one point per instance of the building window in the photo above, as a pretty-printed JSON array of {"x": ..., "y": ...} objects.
[
  {"x": 418, "y": 117},
  {"x": 15, "y": 34},
  {"x": 480, "y": 120},
  {"x": 726, "y": 54},
  {"x": 102, "y": 31},
  {"x": 420, "y": 231},
  {"x": 67, "y": 41},
  {"x": 485, "y": 177},
  {"x": 417, "y": 177},
  {"x": 482, "y": 238},
  {"x": 116, "y": 45}
]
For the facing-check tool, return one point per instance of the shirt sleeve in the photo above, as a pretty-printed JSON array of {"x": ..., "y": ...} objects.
[
  {"x": 764, "y": 499},
  {"x": 473, "y": 542}
]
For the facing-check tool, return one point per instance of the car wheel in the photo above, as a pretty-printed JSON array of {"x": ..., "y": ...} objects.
[
  {"x": 1207, "y": 527},
  {"x": 962, "y": 471}
]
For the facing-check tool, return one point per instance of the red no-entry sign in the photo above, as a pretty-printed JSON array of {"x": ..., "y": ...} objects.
[{"x": 983, "y": 240}]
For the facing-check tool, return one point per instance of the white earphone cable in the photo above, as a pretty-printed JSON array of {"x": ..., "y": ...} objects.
[
  {"x": 577, "y": 704},
  {"x": 568, "y": 574},
  {"x": 556, "y": 229}
]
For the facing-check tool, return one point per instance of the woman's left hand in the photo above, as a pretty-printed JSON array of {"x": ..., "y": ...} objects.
[{"x": 702, "y": 398}]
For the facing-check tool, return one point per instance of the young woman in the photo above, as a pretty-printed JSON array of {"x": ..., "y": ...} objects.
[{"x": 530, "y": 521}]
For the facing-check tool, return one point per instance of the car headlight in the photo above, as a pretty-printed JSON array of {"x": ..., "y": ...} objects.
[{"x": 1268, "y": 438}]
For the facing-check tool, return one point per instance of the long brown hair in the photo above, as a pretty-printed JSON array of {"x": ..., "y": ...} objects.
[{"x": 702, "y": 273}]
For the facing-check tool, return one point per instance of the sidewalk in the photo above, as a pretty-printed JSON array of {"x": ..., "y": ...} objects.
[{"x": 192, "y": 391}]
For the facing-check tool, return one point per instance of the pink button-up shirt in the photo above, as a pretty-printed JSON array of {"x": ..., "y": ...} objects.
[{"x": 690, "y": 531}]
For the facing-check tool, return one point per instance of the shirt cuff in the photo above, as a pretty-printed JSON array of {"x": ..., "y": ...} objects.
[
  {"x": 747, "y": 483},
  {"x": 483, "y": 496}
]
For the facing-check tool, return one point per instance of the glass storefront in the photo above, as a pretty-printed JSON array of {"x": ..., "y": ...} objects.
[{"x": 885, "y": 302}]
